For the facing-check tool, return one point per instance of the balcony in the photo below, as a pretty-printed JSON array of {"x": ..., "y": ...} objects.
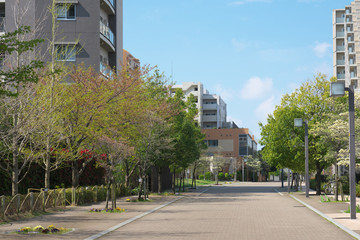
[
  {"x": 108, "y": 6},
  {"x": 2, "y": 24},
  {"x": 339, "y": 34},
  {"x": 349, "y": 29},
  {"x": 340, "y": 20},
  {"x": 340, "y": 62},
  {"x": 105, "y": 70},
  {"x": 351, "y": 50},
  {"x": 209, "y": 118},
  {"x": 353, "y": 75},
  {"x": 352, "y": 61},
  {"x": 340, "y": 48},
  {"x": 108, "y": 37},
  {"x": 340, "y": 76},
  {"x": 209, "y": 107}
]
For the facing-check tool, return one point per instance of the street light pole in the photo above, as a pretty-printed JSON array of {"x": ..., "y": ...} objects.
[
  {"x": 352, "y": 176},
  {"x": 298, "y": 122},
  {"x": 338, "y": 89},
  {"x": 307, "y": 158}
]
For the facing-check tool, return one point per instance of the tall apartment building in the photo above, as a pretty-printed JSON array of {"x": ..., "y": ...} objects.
[
  {"x": 88, "y": 31},
  {"x": 346, "y": 48},
  {"x": 212, "y": 109}
]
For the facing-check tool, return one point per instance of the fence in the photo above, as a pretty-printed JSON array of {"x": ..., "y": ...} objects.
[{"x": 43, "y": 199}]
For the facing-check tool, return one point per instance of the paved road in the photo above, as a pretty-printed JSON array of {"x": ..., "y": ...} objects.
[{"x": 237, "y": 211}]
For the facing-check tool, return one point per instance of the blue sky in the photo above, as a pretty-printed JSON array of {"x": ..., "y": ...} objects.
[{"x": 250, "y": 52}]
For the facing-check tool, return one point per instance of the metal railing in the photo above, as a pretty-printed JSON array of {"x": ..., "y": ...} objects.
[
  {"x": 340, "y": 76},
  {"x": 340, "y": 20},
  {"x": 340, "y": 48},
  {"x": 106, "y": 31}
]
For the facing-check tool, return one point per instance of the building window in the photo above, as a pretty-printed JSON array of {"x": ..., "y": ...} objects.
[
  {"x": 66, "y": 11},
  {"x": 213, "y": 143},
  {"x": 66, "y": 52}
]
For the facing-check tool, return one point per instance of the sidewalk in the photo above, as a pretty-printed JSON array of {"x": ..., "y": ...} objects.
[
  {"x": 85, "y": 223},
  {"x": 334, "y": 210}
]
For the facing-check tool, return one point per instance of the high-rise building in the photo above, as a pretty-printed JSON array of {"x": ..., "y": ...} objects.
[
  {"x": 88, "y": 31},
  {"x": 212, "y": 109},
  {"x": 346, "y": 23}
]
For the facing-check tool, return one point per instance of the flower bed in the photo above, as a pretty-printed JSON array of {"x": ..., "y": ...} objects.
[
  {"x": 51, "y": 229},
  {"x": 109, "y": 210}
]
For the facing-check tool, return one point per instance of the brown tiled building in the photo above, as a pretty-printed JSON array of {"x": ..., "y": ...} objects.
[{"x": 232, "y": 143}]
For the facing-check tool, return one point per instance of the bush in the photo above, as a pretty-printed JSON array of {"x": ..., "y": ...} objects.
[
  {"x": 208, "y": 176},
  {"x": 221, "y": 176},
  {"x": 227, "y": 176},
  {"x": 201, "y": 177}
]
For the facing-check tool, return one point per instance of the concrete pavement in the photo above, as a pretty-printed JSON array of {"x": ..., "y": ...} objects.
[{"x": 233, "y": 211}]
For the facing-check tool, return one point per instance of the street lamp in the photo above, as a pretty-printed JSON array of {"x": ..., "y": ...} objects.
[
  {"x": 298, "y": 122},
  {"x": 337, "y": 89}
]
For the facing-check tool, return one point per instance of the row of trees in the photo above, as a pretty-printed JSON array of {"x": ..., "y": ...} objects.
[
  {"x": 328, "y": 129},
  {"x": 55, "y": 114}
]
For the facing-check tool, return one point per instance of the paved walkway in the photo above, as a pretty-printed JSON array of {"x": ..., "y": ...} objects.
[{"x": 232, "y": 211}]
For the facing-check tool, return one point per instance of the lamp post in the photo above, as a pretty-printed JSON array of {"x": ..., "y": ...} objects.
[
  {"x": 337, "y": 89},
  {"x": 298, "y": 122}
]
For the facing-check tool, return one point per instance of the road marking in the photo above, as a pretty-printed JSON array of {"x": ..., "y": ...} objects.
[
  {"x": 278, "y": 192},
  {"x": 352, "y": 233},
  {"x": 96, "y": 236},
  {"x": 204, "y": 191}
]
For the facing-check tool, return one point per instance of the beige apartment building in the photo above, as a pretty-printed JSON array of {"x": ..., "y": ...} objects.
[{"x": 346, "y": 55}]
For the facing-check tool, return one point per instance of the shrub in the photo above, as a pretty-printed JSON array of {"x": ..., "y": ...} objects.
[
  {"x": 208, "y": 176},
  {"x": 227, "y": 176},
  {"x": 201, "y": 177},
  {"x": 221, "y": 176}
]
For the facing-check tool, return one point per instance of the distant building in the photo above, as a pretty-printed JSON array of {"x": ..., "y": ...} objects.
[
  {"x": 212, "y": 109},
  {"x": 346, "y": 23},
  {"x": 130, "y": 60}
]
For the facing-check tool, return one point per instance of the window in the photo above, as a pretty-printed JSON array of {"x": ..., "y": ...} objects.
[
  {"x": 66, "y": 11},
  {"x": 213, "y": 143},
  {"x": 66, "y": 52}
]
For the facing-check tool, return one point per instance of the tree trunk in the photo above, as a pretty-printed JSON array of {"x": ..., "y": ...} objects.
[
  {"x": 318, "y": 179},
  {"x": 47, "y": 165},
  {"x": 184, "y": 181},
  {"x": 159, "y": 180},
  {"x": 107, "y": 194},
  {"x": 174, "y": 180},
  {"x": 336, "y": 182},
  {"x": 113, "y": 196},
  {"x": 180, "y": 183},
  {"x": 75, "y": 173},
  {"x": 15, "y": 164}
]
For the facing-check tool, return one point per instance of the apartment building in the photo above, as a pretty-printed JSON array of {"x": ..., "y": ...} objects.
[
  {"x": 212, "y": 109},
  {"x": 130, "y": 60},
  {"x": 346, "y": 23},
  {"x": 88, "y": 31}
]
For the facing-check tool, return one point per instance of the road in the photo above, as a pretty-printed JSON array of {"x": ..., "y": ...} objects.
[{"x": 233, "y": 211}]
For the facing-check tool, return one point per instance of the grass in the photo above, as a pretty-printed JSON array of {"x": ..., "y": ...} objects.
[
  {"x": 357, "y": 209},
  {"x": 199, "y": 182}
]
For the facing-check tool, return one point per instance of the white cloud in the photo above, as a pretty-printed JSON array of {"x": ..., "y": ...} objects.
[
  {"x": 237, "y": 45},
  {"x": 248, "y": 1},
  {"x": 321, "y": 49},
  {"x": 265, "y": 108},
  {"x": 256, "y": 88}
]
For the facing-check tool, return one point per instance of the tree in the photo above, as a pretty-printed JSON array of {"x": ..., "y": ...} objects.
[{"x": 284, "y": 144}]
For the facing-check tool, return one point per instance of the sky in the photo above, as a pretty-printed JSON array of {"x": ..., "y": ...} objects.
[{"x": 250, "y": 52}]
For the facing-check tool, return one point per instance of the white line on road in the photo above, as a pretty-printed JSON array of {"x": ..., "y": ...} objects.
[
  {"x": 96, "y": 236},
  {"x": 352, "y": 233}
]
